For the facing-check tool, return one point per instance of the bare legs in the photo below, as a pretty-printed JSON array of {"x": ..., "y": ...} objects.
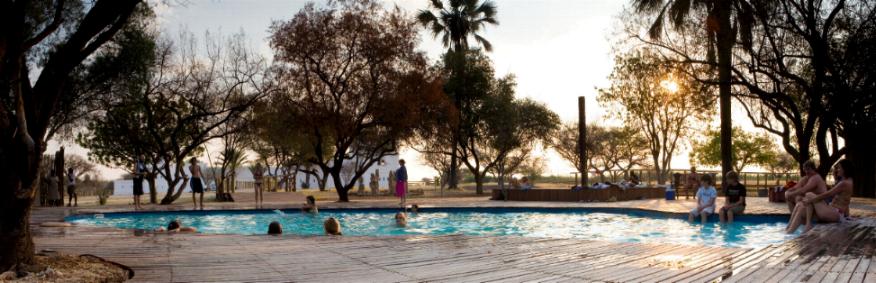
[
  {"x": 259, "y": 197},
  {"x": 726, "y": 215},
  {"x": 195, "y": 200},
  {"x": 805, "y": 212},
  {"x": 137, "y": 203}
]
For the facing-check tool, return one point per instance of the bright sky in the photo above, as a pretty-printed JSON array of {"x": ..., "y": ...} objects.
[{"x": 558, "y": 49}]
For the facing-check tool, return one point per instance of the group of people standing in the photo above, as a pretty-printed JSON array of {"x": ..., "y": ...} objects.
[
  {"x": 55, "y": 188},
  {"x": 809, "y": 200}
]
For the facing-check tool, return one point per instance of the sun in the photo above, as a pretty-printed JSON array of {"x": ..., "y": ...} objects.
[{"x": 669, "y": 85}]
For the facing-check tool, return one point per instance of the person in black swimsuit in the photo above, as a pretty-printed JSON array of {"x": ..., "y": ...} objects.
[{"x": 139, "y": 173}]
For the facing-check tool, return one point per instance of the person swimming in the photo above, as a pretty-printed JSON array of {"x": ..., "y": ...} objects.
[
  {"x": 332, "y": 227},
  {"x": 415, "y": 208},
  {"x": 310, "y": 205},
  {"x": 275, "y": 228},
  {"x": 174, "y": 226},
  {"x": 401, "y": 220}
]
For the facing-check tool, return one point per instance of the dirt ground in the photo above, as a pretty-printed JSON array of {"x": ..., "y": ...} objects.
[{"x": 69, "y": 268}]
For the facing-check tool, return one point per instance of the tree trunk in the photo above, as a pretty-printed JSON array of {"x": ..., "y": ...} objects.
[
  {"x": 17, "y": 245},
  {"x": 726, "y": 38},
  {"x": 324, "y": 180},
  {"x": 153, "y": 191},
  {"x": 343, "y": 191},
  {"x": 863, "y": 156},
  {"x": 479, "y": 183},
  {"x": 19, "y": 168}
]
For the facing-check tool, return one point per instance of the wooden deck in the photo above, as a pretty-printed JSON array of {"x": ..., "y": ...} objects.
[{"x": 830, "y": 253}]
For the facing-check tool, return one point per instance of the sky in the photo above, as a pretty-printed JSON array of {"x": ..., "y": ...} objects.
[{"x": 558, "y": 50}]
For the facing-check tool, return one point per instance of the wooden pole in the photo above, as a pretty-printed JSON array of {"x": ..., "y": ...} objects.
[{"x": 582, "y": 141}]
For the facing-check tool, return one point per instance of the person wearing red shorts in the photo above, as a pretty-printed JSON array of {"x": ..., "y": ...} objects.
[{"x": 401, "y": 182}]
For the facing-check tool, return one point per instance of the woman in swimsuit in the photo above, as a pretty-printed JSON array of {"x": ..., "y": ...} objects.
[{"x": 814, "y": 204}]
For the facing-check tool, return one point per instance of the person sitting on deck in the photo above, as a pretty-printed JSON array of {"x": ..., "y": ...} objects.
[
  {"x": 634, "y": 179},
  {"x": 815, "y": 205},
  {"x": 706, "y": 195},
  {"x": 175, "y": 226},
  {"x": 693, "y": 181},
  {"x": 332, "y": 227},
  {"x": 310, "y": 205},
  {"x": 791, "y": 195},
  {"x": 275, "y": 228},
  {"x": 814, "y": 184},
  {"x": 401, "y": 220},
  {"x": 524, "y": 184},
  {"x": 734, "y": 198}
]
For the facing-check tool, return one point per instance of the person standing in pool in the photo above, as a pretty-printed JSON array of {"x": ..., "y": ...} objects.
[
  {"x": 258, "y": 174},
  {"x": 734, "y": 198},
  {"x": 401, "y": 182},
  {"x": 706, "y": 196},
  {"x": 139, "y": 173},
  {"x": 197, "y": 185}
]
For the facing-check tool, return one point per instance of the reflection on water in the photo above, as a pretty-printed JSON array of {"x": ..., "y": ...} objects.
[{"x": 618, "y": 227}]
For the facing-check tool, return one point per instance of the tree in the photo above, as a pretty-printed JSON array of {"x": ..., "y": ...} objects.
[
  {"x": 610, "y": 150},
  {"x": 650, "y": 94},
  {"x": 499, "y": 131},
  {"x": 748, "y": 149},
  {"x": 181, "y": 102},
  {"x": 806, "y": 66},
  {"x": 457, "y": 22},
  {"x": 721, "y": 32},
  {"x": 62, "y": 35},
  {"x": 80, "y": 165},
  {"x": 352, "y": 70}
]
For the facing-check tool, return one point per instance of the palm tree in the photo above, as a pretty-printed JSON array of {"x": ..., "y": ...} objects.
[
  {"x": 455, "y": 23},
  {"x": 721, "y": 33},
  {"x": 463, "y": 19}
]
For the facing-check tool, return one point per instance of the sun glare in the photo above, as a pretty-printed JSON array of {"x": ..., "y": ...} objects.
[{"x": 669, "y": 85}]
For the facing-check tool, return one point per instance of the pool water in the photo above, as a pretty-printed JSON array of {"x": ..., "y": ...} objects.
[{"x": 596, "y": 224}]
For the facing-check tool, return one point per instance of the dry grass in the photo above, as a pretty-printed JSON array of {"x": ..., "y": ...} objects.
[{"x": 69, "y": 268}]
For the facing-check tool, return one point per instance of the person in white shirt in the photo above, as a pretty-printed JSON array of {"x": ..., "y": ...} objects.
[{"x": 706, "y": 196}]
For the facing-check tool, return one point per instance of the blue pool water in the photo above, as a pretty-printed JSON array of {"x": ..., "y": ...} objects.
[{"x": 597, "y": 224}]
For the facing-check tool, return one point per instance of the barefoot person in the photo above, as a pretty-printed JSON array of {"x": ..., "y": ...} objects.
[
  {"x": 258, "y": 173},
  {"x": 814, "y": 205},
  {"x": 71, "y": 188},
  {"x": 791, "y": 195},
  {"x": 706, "y": 195},
  {"x": 401, "y": 182},
  {"x": 197, "y": 185},
  {"x": 139, "y": 174},
  {"x": 734, "y": 198},
  {"x": 814, "y": 184}
]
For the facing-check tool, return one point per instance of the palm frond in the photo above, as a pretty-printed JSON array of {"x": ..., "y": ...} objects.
[
  {"x": 483, "y": 41},
  {"x": 487, "y": 8},
  {"x": 678, "y": 12},
  {"x": 455, "y": 4},
  {"x": 437, "y": 4},
  {"x": 426, "y": 18},
  {"x": 648, "y": 6},
  {"x": 656, "y": 29},
  {"x": 745, "y": 18}
]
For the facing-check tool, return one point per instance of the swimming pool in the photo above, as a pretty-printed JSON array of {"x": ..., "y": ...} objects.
[{"x": 617, "y": 225}]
